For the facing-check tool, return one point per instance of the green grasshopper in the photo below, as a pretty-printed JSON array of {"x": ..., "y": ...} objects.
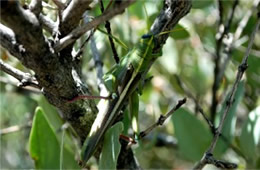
[{"x": 122, "y": 81}]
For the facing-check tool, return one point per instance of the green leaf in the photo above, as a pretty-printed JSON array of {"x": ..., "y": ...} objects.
[
  {"x": 179, "y": 32},
  {"x": 196, "y": 77},
  {"x": 230, "y": 122},
  {"x": 193, "y": 137},
  {"x": 56, "y": 123},
  {"x": 51, "y": 113},
  {"x": 44, "y": 146},
  {"x": 111, "y": 147},
  {"x": 201, "y": 3},
  {"x": 137, "y": 9},
  {"x": 134, "y": 111},
  {"x": 250, "y": 135}
]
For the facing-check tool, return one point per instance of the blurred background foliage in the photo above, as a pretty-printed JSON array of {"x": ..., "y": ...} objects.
[{"x": 187, "y": 56}]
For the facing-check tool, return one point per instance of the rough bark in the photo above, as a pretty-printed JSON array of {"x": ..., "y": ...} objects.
[{"x": 57, "y": 73}]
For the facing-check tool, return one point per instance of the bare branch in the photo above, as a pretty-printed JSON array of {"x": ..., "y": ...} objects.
[
  {"x": 59, "y": 4},
  {"x": 29, "y": 29},
  {"x": 162, "y": 119},
  {"x": 232, "y": 43},
  {"x": 80, "y": 51},
  {"x": 58, "y": 76},
  {"x": 36, "y": 7},
  {"x": 12, "y": 82},
  {"x": 78, "y": 32},
  {"x": 241, "y": 69},
  {"x": 223, "y": 30},
  {"x": 48, "y": 24},
  {"x": 25, "y": 79},
  {"x": 220, "y": 12},
  {"x": 14, "y": 128},
  {"x": 8, "y": 41},
  {"x": 209, "y": 159},
  {"x": 72, "y": 15}
]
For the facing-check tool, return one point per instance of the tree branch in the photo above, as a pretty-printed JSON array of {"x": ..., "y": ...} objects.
[
  {"x": 78, "y": 32},
  {"x": 241, "y": 69},
  {"x": 234, "y": 38},
  {"x": 58, "y": 76},
  {"x": 72, "y": 15},
  {"x": 25, "y": 79},
  {"x": 223, "y": 30},
  {"x": 29, "y": 29},
  {"x": 162, "y": 119},
  {"x": 8, "y": 41},
  {"x": 48, "y": 24},
  {"x": 36, "y": 7},
  {"x": 15, "y": 128}
]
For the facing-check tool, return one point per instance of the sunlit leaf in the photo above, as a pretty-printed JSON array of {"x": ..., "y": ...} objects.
[
  {"x": 111, "y": 147},
  {"x": 250, "y": 135},
  {"x": 179, "y": 32},
  {"x": 134, "y": 110},
  {"x": 44, "y": 146}
]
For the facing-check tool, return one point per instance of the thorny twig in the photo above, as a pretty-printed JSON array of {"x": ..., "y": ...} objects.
[
  {"x": 208, "y": 156},
  {"x": 162, "y": 119},
  {"x": 25, "y": 79}
]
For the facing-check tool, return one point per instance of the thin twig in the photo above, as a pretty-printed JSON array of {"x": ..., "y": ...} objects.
[
  {"x": 79, "y": 52},
  {"x": 78, "y": 32},
  {"x": 189, "y": 94},
  {"x": 109, "y": 31},
  {"x": 231, "y": 45},
  {"x": 48, "y": 24},
  {"x": 25, "y": 79},
  {"x": 241, "y": 69},
  {"x": 12, "y": 82},
  {"x": 223, "y": 30},
  {"x": 220, "y": 12},
  {"x": 15, "y": 128},
  {"x": 162, "y": 119},
  {"x": 210, "y": 124}
]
